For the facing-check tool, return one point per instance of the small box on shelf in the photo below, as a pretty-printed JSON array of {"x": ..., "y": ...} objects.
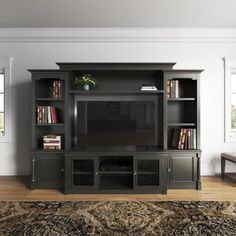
[{"x": 52, "y": 142}]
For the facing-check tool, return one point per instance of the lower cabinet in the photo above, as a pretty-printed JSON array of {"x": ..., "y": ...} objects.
[
  {"x": 115, "y": 173},
  {"x": 184, "y": 170},
  {"x": 80, "y": 173},
  {"x": 150, "y": 173},
  {"x": 47, "y": 171}
]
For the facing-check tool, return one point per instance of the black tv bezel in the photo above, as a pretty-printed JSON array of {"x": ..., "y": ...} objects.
[{"x": 120, "y": 98}]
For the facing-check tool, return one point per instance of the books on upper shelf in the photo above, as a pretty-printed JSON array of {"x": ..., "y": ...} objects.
[
  {"x": 46, "y": 115},
  {"x": 56, "y": 89},
  {"x": 172, "y": 88},
  {"x": 184, "y": 139},
  {"x": 52, "y": 142},
  {"x": 148, "y": 88}
]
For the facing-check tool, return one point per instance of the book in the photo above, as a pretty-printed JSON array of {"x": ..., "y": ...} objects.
[
  {"x": 49, "y": 115},
  {"x": 176, "y": 137},
  {"x": 148, "y": 88},
  {"x": 172, "y": 88},
  {"x": 56, "y": 89},
  {"x": 54, "y": 115},
  {"x": 184, "y": 139},
  {"x": 52, "y": 141},
  {"x": 46, "y": 115}
]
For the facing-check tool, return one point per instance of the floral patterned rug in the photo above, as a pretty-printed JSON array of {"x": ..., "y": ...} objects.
[{"x": 113, "y": 218}]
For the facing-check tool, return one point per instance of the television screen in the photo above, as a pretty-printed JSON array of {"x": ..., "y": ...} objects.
[{"x": 115, "y": 123}]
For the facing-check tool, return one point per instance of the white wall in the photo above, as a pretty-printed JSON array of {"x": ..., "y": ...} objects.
[{"x": 191, "y": 49}]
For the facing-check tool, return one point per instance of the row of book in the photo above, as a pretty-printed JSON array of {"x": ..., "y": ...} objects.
[
  {"x": 46, "y": 115},
  {"x": 172, "y": 88},
  {"x": 52, "y": 142},
  {"x": 56, "y": 89},
  {"x": 184, "y": 139}
]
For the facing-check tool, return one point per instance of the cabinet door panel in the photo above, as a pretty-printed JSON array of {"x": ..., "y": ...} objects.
[
  {"x": 148, "y": 171},
  {"x": 49, "y": 171},
  {"x": 183, "y": 170},
  {"x": 81, "y": 173}
]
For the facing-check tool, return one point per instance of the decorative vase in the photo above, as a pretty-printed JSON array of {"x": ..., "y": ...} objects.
[{"x": 86, "y": 87}]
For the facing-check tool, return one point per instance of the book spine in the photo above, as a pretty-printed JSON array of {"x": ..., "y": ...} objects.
[
  {"x": 180, "y": 138},
  {"x": 194, "y": 139},
  {"x": 168, "y": 89},
  {"x": 177, "y": 88},
  {"x": 49, "y": 115},
  {"x": 189, "y": 138},
  {"x": 54, "y": 115}
]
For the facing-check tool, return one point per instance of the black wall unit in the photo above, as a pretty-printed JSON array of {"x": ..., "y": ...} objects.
[{"x": 116, "y": 138}]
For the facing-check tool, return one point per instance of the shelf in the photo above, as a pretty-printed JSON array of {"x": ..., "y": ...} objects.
[
  {"x": 83, "y": 172},
  {"x": 56, "y": 124},
  {"x": 170, "y": 149},
  {"x": 147, "y": 173},
  {"x": 48, "y": 151},
  {"x": 181, "y": 99},
  {"x": 115, "y": 172},
  {"x": 50, "y": 99},
  {"x": 116, "y": 182},
  {"x": 97, "y": 92},
  {"x": 182, "y": 124}
]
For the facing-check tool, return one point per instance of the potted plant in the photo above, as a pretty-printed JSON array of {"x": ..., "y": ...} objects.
[{"x": 87, "y": 81}]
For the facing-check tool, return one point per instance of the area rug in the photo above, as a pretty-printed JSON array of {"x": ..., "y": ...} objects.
[{"x": 115, "y": 218}]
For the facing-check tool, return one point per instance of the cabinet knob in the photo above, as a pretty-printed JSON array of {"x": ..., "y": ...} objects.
[
  {"x": 62, "y": 170},
  {"x": 96, "y": 173},
  {"x": 169, "y": 170},
  {"x": 135, "y": 173}
]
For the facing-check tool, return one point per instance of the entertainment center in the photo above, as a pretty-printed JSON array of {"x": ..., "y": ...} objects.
[{"x": 116, "y": 138}]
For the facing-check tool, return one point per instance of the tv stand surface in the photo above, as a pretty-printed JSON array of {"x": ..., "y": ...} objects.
[{"x": 117, "y": 168}]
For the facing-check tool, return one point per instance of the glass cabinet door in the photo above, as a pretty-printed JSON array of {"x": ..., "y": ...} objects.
[{"x": 147, "y": 172}]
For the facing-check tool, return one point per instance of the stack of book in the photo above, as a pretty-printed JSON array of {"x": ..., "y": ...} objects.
[
  {"x": 46, "y": 115},
  {"x": 52, "y": 142},
  {"x": 148, "y": 88},
  {"x": 172, "y": 88},
  {"x": 56, "y": 90},
  {"x": 184, "y": 139}
]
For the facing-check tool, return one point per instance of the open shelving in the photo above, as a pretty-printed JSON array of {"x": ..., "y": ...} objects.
[{"x": 44, "y": 97}]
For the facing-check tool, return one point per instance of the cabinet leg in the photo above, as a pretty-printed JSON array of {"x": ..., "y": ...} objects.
[
  {"x": 164, "y": 191},
  {"x": 199, "y": 185},
  {"x": 222, "y": 168}
]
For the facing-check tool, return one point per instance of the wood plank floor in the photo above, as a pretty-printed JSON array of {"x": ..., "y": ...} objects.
[{"x": 213, "y": 188}]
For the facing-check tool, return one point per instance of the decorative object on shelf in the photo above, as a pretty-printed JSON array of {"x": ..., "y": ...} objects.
[
  {"x": 47, "y": 115},
  {"x": 148, "y": 88},
  {"x": 184, "y": 139},
  {"x": 52, "y": 142},
  {"x": 87, "y": 81},
  {"x": 172, "y": 88}
]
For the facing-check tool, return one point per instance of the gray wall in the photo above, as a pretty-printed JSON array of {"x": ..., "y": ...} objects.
[{"x": 117, "y": 13}]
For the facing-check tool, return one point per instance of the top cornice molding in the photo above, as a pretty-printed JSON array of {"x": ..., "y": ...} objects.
[{"x": 161, "y": 35}]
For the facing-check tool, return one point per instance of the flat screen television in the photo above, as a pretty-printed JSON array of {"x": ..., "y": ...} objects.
[{"x": 114, "y": 120}]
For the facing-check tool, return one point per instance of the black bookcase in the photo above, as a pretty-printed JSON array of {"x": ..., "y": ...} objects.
[{"x": 117, "y": 169}]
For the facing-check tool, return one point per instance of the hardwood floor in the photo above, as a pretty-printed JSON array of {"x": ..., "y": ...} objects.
[{"x": 213, "y": 188}]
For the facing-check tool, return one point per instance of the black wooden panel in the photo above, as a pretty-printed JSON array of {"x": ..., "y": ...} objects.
[
  {"x": 182, "y": 170},
  {"x": 49, "y": 171}
]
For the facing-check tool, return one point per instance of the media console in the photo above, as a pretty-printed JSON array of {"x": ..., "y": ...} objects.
[{"x": 116, "y": 138}]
